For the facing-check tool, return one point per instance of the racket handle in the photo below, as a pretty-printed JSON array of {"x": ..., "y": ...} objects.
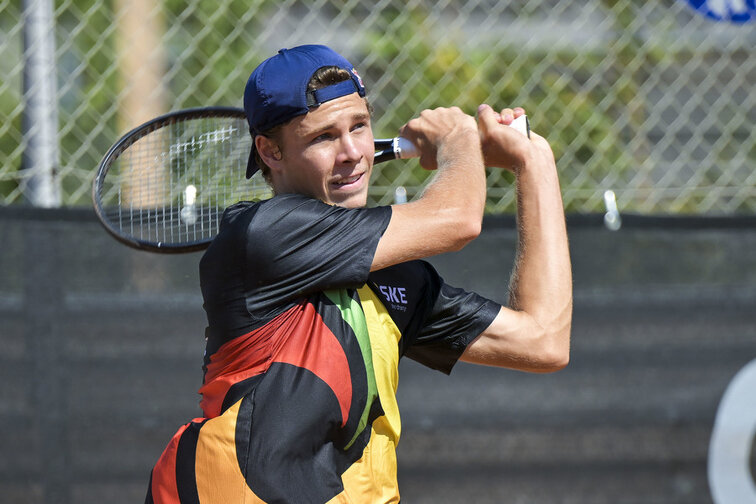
[
  {"x": 394, "y": 148},
  {"x": 404, "y": 149},
  {"x": 522, "y": 125}
]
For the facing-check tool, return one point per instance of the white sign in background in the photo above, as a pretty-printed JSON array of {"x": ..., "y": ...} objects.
[{"x": 729, "y": 472}]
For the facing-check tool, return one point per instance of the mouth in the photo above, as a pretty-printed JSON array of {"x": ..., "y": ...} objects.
[{"x": 347, "y": 182}]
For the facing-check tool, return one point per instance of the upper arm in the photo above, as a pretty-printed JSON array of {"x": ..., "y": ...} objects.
[
  {"x": 421, "y": 229},
  {"x": 449, "y": 213},
  {"x": 516, "y": 340}
]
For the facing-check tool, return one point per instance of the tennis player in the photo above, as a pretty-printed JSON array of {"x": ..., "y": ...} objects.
[{"x": 312, "y": 298}]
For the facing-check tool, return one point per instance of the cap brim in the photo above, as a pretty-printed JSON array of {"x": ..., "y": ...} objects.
[{"x": 252, "y": 163}]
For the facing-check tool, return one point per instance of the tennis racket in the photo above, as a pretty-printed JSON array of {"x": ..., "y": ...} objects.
[{"x": 164, "y": 185}]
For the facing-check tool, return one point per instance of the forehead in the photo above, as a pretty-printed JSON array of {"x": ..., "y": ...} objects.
[{"x": 331, "y": 114}]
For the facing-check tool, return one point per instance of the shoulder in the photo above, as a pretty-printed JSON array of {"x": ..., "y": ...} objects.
[
  {"x": 244, "y": 217},
  {"x": 270, "y": 208},
  {"x": 283, "y": 203},
  {"x": 293, "y": 209}
]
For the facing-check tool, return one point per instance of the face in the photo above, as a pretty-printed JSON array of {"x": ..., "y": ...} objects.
[{"x": 327, "y": 153}]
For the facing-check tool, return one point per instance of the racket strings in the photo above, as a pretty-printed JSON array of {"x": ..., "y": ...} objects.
[{"x": 172, "y": 185}]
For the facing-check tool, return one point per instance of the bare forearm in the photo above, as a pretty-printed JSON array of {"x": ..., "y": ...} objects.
[
  {"x": 533, "y": 333},
  {"x": 541, "y": 283},
  {"x": 449, "y": 212},
  {"x": 457, "y": 192}
]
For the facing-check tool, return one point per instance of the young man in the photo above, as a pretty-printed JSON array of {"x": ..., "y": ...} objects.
[{"x": 312, "y": 298}]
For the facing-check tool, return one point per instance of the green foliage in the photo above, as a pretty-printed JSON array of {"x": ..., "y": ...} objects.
[
  {"x": 222, "y": 34},
  {"x": 10, "y": 100},
  {"x": 592, "y": 103},
  {"x": 437, "y": 72}
]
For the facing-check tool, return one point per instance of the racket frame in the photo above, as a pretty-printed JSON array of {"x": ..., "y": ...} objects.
[{"x": 124, "y": 143}]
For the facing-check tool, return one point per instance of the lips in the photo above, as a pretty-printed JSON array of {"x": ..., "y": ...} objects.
[{"x": 348, "y": 180}]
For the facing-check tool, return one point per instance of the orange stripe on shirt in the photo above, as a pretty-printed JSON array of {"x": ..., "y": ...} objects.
[{"x": 298, "y": 337}]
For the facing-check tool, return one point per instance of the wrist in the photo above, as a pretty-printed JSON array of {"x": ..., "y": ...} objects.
[
  {"x": 461, "y": 138},
  {"x": 536, "y": 168}
]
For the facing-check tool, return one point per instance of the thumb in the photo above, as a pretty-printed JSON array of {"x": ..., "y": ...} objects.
[{"x": 487, "y": 119}]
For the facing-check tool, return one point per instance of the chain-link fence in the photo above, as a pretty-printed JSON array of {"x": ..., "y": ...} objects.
[{"x": 651, "y": 99}]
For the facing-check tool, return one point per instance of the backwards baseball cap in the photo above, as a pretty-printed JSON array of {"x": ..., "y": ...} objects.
[{"x": 277, "y": 89}]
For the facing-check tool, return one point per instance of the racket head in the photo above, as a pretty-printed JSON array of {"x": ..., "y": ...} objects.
[{"x": 164, "y": 185}]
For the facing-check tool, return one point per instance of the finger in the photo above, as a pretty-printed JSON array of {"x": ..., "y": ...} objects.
[
  {"x": 507, "y": 116},
  {"x": 428, "y": 162},
  {"x": 410, "y": 131},
  {"x": 518, "y": 111}
]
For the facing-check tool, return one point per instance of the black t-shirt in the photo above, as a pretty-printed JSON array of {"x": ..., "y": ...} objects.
[
  {"x": 304, "y": 345},
  {"x": 269, "y": 255}
]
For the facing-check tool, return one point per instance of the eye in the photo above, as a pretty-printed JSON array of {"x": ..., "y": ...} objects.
[
  {"x": 322, "y": 138},
  {"x": 359, "y": 125}
]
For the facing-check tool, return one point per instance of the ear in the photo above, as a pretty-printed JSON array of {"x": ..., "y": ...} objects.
[{"x": 269, "y": 151}]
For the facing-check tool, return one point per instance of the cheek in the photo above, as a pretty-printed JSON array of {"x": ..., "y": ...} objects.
[
  {"x": 317, "y": 156},
  {"x": 368, "y": 142},
  {"x": 313, "y": 171},
  {"x": 320, "y": 165},
  {"x": 309, "y": 162},
  {"x": 365, "y": 144}
]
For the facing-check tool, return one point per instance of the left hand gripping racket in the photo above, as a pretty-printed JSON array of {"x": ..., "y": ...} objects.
[{"x": 164, "y": 185}]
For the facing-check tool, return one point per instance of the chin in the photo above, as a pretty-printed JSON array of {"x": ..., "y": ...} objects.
[{"x": 351, "y": 201}]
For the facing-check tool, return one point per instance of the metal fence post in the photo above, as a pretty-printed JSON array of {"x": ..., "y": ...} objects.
[{"x": 40, "y": 120}]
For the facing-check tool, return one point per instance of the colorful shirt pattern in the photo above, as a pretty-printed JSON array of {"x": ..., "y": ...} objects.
[{"x": 301, "y": 370}]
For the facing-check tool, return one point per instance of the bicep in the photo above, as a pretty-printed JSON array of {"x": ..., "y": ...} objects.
[{"x": 419, "y": 230}]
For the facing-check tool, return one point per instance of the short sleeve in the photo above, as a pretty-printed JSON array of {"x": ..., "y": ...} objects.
[
  {"x": 269, "y": 254},
  {"x": 456, "y": 318},
  {"x": 439, "y": 320}
]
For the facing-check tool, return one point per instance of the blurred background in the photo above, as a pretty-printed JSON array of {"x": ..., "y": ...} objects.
[{"x": 654, "y": 101}]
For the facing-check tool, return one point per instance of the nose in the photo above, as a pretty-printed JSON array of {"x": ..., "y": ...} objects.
[{"x": 349, "y": 152}]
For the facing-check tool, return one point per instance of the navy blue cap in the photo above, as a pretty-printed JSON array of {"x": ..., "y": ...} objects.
[{"x": 277, "y": 89}]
